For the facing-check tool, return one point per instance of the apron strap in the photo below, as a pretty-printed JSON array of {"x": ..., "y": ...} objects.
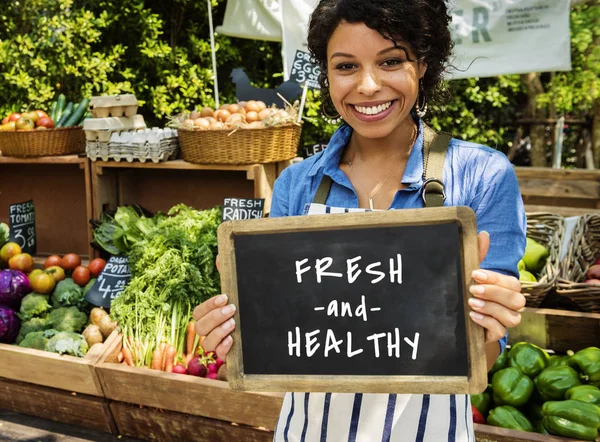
[{"x": 435, "y": 146}]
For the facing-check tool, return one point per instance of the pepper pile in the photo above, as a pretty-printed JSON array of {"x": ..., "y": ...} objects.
[{"x": 532, "y": 391}]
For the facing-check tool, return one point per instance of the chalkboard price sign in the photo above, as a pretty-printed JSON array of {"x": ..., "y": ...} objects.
[
  {"x": 314, "y": 149},
  {"x": 243, "y": 208},
  {"x": 304, "y": 71},
  {"x": 364, "y": 302},
  {"x": 22, "y": 226},
  {"x": 111, "y": 282}
]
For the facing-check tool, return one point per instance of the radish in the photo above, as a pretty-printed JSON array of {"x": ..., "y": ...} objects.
[
  {"x": 211, "y": 375},
  {"x": 197, "y": 368},
  {"x": 180, "y": 369},
  {"x": 213, "y": 367},
  {"x": 219, "y": 362}
]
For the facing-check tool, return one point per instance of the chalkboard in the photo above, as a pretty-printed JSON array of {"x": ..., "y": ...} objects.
[
  {"x": 314, "y": 149},
  {"x": 304, "y": 71},
  {"x": 22, "y": 226},
  {"x": 110, "y": 283},
  {"x": 364, "y": 302},
  {"x": 243, "y": 208}
]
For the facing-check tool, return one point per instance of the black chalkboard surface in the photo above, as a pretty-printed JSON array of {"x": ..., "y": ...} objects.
[
  {"x": 242, "y": 208},
  {"x": 110, "y": 283},
  {"x": 22, "y": 226},
  {"x": 368, "y": 302},
  {"x": 304, "y": 71}
]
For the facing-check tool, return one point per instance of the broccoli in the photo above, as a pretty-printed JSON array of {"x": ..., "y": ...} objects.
[
  {"x": 69, "y": 343},
  {"x": 34, "y": 306},
  {"x": 4, "y": 234},
  {"x": 67, "y": 293},
  {"x": 33, "y": 325},
  {"x": 68, "y": 319},
  {"x": 36, "y": 340}
]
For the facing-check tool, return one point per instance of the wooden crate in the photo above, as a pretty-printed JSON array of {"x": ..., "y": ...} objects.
[
  {"x": 158, "y": 187},
  {"x": 61, "y": 372},
  {"x": 202, "y": 397},
  {"x": 57, "y": 405},
  {"x": 62, "y": 194},
  {"x": 488, "y": 433}
]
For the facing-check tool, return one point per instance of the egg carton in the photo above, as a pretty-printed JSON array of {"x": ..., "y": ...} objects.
[
  {"x": 150, "y": 144},
  {"x": 113, "y": 106},
  {"x": 103, "y": 128}
]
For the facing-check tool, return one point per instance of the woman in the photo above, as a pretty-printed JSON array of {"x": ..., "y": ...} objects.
[{"x": 381, "y": 62}]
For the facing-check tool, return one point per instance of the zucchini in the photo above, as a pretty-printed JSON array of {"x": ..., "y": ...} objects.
[
  {"x": 77, "y": 113},
  {"x": 53, "y": 110},
  {"x": 60, "y": 107},
  {"x": 65, "y": 115}
]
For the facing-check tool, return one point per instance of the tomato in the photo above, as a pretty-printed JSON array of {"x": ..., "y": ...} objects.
[
  {"x": 45, "y": 122},
  {"x": 9, "y": 250},
  {"x": 81, "y": 276},
  {"x": 70, "y": 261},
  {"x": 14, "y": 116},
  {"x": 43, "y": 283},
  {"x": 34, "y": 273},
  {"x": 53, "y": 260},
  {"x": 24, "y": 124},
  {"x": 30, "y": 116},
  {"x": 22, "y": 262},
  {"x": 96, "y": 266},
  {"x": 41, "y": 113},
  {"x": 56, "y": 272}
]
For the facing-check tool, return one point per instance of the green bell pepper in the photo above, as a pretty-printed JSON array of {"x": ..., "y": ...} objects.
[
  {"x": 576, "y": 419},
  {"x": 528, "y": 358},
  {"x": 553, "y": 382},
  {"x": 506, "y": 416},
  {"x": 482, "y": 401},
  {"x": 584, "y": 393},
  {"x": 500, "y": 363},
  {"x": 511, "y": 387},
  {"x": 587, "y": 361},
  {"x": 533, "y": 410},
  {"x": 538, "y": 427},
  {"x": 556, "y": 360}
]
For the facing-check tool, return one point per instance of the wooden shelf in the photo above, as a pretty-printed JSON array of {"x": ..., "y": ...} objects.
[
  {"x": 172, "y": 165},
  {"x": 65, "y": 159}
]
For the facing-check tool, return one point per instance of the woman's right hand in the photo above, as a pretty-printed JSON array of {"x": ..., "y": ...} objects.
[{"x": 214, "y": 321}]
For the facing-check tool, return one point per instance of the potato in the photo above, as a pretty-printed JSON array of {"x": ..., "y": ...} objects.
[
  {"x": 107, "y": 326},
  {"x": 93, "y": 335},
  {"x": 96, "y": 315}
]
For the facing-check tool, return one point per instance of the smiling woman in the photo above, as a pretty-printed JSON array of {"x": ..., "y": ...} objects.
[{"x": 381, "y": 63}]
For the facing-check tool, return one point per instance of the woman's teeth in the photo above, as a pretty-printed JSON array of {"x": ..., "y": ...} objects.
[{"x": 374, "y": 109}]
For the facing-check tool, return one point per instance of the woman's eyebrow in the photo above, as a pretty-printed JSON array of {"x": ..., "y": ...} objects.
[
  {"x": 341, "y": 54},
  {"x": 382, "y": 52}
]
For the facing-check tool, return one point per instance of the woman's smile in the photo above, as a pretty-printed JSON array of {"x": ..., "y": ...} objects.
[{"x": 374, "y": 110}]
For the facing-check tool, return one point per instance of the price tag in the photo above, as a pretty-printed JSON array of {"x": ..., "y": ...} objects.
[
  {"x": 304, "y": 71},
  {"x": 110, "y": 283},
  {"x": 22, "y": 226},
  {"x": 243, "y": 208}
]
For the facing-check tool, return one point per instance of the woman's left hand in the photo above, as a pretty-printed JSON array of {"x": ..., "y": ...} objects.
[{"x": 497, "y": 298}]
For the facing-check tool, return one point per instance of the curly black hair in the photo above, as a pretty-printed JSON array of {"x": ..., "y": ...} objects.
[{"x": 423, "y": 24}]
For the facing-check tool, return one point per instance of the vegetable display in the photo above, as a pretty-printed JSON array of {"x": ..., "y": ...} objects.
[
  {"x": 14, "y": 285},
  {"x": 61, "y": 114}
]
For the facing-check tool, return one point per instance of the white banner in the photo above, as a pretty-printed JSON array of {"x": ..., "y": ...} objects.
[{"x": 492, "y": 37}]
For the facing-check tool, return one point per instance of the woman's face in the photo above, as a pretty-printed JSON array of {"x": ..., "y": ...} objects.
[{"x": 372, "y": 83}]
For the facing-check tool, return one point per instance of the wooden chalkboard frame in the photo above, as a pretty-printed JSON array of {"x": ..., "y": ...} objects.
[{"x": 474, "y": 382}]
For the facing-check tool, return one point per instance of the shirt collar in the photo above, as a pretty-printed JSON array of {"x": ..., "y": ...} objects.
[{"x": 330, "y": 160}]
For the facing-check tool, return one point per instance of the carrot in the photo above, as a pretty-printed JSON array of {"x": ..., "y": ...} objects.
[
  {"x": 120, "y": 356},
  {"x": 163, "y": 348},
  {"x": 188, "y": 358},
  {"x": 157, "y": 358},
  {"x": 190, "y": 338},
  {"x": 127, "y": 356},
  {"x": 170, "y": 358}
]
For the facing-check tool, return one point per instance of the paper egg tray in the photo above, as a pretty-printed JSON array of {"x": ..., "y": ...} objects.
[{"x": 167, "y": 149}]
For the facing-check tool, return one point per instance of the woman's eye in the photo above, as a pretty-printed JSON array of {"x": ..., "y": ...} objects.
[
  {"x": 344, "y": 66},
  {"x": 393, "y": 62}
]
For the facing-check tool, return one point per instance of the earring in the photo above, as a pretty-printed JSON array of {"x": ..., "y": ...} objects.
[
  {"x": 329, "y": 119},
  {"x": 421, "y": 110}
]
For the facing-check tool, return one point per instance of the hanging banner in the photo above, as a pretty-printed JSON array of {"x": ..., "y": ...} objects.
[{"x": 492, "y": 37}]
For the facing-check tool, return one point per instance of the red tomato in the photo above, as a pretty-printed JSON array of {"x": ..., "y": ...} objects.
[
  {"x": 22, "y": 262},
  {"x": 4, "y": 121},
  {"x": 41, "y": 113},
  {"x": 70, "y": 261},
  {"x": 43, "y": 283},
  {"x": 53, "y": 260},
  {"x": 477, "y": 416},
  {"x": 45, "y": 122},
  {"x": 96, "y": 266},
  {"x": 14, "y": 116},
  {"x": 81, "y": 276}
]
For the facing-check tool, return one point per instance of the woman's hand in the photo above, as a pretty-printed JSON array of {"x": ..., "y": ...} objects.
[
  {"x": 497, "y": 298},
  {"x": 214, "y": 321}
]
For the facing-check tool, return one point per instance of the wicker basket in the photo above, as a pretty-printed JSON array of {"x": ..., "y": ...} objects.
[
  {"x": 41, "y": 143},
  {"x": 583, "y": 249},
  {"x": 548, "y": 229},
  {"x": 244, "y": 146}
]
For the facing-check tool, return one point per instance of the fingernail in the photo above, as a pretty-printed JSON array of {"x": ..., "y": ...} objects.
[
  {"x": 477, "y": 289},
  {"x": 220, "y": 300},
  {"x": 476, "y": 316},
  {"x": 486, "y": 232},
  {"x": 228, "y": 341},
  {"x": 229, "y": 324},
  {"x": 476, "y": 303},
  {"x": 478, "y": 274},
  {"x": 228, "y": 310}
]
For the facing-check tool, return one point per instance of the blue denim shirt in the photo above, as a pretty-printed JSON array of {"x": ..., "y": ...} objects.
[{"x": 475, "y": 176}]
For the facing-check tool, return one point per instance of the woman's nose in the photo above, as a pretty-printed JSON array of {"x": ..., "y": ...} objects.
[{"x": 369, "y": 83}]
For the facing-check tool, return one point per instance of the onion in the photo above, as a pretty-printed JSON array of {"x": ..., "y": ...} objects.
[
  {"x": 211, "y": 119},
  {"x": 236, "y": 109},
  {"x": 222, "y": 115},
  {"x": 256, "y": 125},
  {"x": 265, "y": 113},
  {"x": 261, "y": 105},
  {"x": 202, "y": 123},
  {"x": 188, "y": 123},
  {"x": 252, "y": 116},
  {"x": 224, "y": 106},
  {"x": 216, "y": 125},
  {"x": 252, "y": 106},
  {"x": 235, "y": 118},
  {"x": 206, "y": 112},
  {"x": 194, "y": 115}
]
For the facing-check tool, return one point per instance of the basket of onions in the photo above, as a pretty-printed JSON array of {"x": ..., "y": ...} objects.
[{"x": 242, "y": 133}]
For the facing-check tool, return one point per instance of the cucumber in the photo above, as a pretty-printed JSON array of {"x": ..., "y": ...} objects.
[
  {"x": 77, "y": 113},
  {"x": 65, "y": 115},
  {"x": 60, "y": 107},
  {"x": 87, "y": 115},
  {"x": 53, "y": 110}
]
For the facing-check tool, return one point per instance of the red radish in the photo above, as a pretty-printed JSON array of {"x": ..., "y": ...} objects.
[
  {"x": 211, "y": 376},
  {"x": 592, "y": 281},
  {"x": 213, "y": 367},
  {"x": 210, "y": 354},
  {"x": 477, "y": 416},
  {"x": 219, "y": 362},
  {"x": 180, "y": 369},
  {"x": 597, "y": 262},
  {"x": 593, "y": 272},
  {"x": 197, "y": 368}
]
